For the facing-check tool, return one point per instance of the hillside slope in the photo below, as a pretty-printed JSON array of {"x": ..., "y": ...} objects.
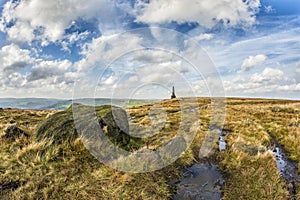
[{"x": 47, "y": 163}]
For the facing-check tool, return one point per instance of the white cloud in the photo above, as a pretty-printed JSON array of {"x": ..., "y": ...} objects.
[
  {"x": 204, "y": 36},
  {"x": 279, "y": 45},
  {"x": 20, "y": 32},
  {"x": 46, "y": 69},
  {"x": 15, "y": 80},
  {"x": 205, "y": 12},
  {"x": 110, "y": 80},
  {"x": 269, "y": 75},
  {"x": 108, "y": 48},
  {"x": 274, "y": 90},
  {"x": 275, "y": 47},
  {"x": 208, "y": 87},
  {"x": 253, "y": 61},
  {"x": 13, "y": 59},
  {"x": 72, "y": 39},
  {"x": 49, "y": 18},
  {"x": 270, "y": 82},
  {"x": 20, "y": 72},
  {"x": 162, "y": 73},
  {"x": 288, "y": 88},
  {"x": 152, "y": 57},
  {"x": 269, "y": 9}
]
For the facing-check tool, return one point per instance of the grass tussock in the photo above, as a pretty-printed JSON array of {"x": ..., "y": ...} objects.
[{"x": 249, "y": 178}]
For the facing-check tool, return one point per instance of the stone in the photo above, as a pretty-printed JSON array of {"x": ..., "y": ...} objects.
[
  {"x": 13, "y": 132},
  {"x": 111, "y": 119}
]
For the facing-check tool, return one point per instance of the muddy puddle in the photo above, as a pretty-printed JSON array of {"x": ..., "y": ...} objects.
[
  {"x": 222, "y": 143},
  {"x": 222, "y": 133},
  {"x": 203, "y": 180},
  {"x": 286, "y": 167},
  {"x": 200, "y": 181}
]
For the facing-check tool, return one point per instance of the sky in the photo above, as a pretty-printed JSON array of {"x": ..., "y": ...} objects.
[{"x": 141, "y": 48}]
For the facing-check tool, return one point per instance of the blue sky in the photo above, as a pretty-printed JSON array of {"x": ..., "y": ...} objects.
[{"x": 140, "y": 49}]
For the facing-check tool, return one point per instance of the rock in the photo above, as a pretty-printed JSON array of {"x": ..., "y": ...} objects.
[
  {"x": 174, "y": 148},
  {"x": 276, "y": 108},
  {"x": 112, "y": 120},
  {"x": 9, "y": 185},
  {"x": 13, "y": 132},
  {"x": 116, "y": 122},
  {"x": 295, "y": 124}
]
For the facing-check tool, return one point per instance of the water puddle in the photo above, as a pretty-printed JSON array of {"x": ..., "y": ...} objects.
[
  {"x": 203, "y": 180},
  {"x": 280, "y": 162},
  {"x": 287, "y": 168},
  {"x": 222, "y": 133},
  {"x": 200, "y": 181},
  {"x": 222, "y": 143}
]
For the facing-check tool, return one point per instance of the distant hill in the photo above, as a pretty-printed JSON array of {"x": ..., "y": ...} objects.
[{"x": 62, "y": 104}]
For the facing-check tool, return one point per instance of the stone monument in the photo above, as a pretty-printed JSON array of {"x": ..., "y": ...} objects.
[{"x": 173, "y": 96}]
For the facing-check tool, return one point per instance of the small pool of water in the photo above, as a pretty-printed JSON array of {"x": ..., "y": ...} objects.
[
  {"x": 222, "y": 143},
  {"x": 200, "y": 181},
  {"x": 222, "y": 133},
  {"x": 287, "y": 168},
  {"x": 280, "y": 162}
]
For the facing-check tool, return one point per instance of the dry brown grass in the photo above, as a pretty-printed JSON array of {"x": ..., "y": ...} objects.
[{"x": 46, "y": 171}]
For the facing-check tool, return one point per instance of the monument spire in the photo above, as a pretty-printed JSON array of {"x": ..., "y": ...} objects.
[{"x": 173, "y": 96}]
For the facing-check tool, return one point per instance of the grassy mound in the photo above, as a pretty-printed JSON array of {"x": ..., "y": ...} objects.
[{"x": 60, "y": 127}]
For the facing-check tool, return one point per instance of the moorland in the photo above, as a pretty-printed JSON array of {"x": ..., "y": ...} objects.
[{"x": 43, "y": 157}]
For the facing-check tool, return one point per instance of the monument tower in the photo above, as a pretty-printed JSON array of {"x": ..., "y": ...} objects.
[{"x": 173, "y": 96}]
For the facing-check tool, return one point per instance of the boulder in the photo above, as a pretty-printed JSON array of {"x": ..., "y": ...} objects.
[
  {"x": 113, "y": 121},
  {"x": 13, "y": 132}
]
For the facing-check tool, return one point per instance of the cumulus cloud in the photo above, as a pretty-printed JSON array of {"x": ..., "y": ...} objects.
[
  {"x": 107, "y": 48},
  {"x": 72, "y": 39},
  {"x": 20, "y": 71},
  {"x": 289, "y": 88},
  {"x": 13, "y": 59},
  {"x": 46, "y": 69},
  {"x": 162, "y": 73},
  {"x": 47, "y": 20},
  {"x": 270, "y": 82},
  {"x": 259, "y": 89},
  {"x": 205, "y": 12},
  {"x": 15, "y": 80},
  {"x": 253, "y": 61},
  {"x": 269, "y": 75}
]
